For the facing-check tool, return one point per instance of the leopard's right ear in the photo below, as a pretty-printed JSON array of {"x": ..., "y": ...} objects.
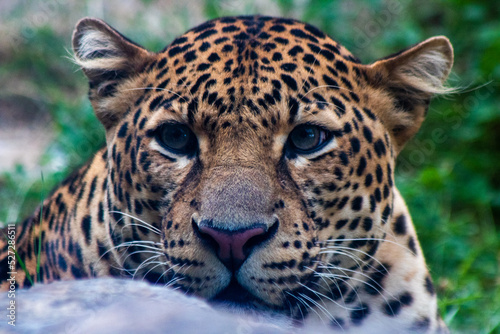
[{"x": 108, "y": 59}]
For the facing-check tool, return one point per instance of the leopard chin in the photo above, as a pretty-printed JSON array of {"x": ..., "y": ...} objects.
[{"x": 236, "y": 296}]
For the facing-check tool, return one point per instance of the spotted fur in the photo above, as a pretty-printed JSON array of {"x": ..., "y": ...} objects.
[{"x": 336, "y": 241}]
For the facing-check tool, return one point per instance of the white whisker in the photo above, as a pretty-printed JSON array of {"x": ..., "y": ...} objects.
[
  {"x": 367, "y": 239},
  {"x": 303, "y": 302},
  {"x": 378, "y": 289},
  {"x": 342, "y": 251},
  {"x": 327, "y": 86},
  {"x": 330, "y": 299},
  {"x": 146, "y": 225},
  {"x": 153, "y": 88},
  {"x": 143, "y": 264},
  {"x": 158, "y": 263},
  {"x": 321, "y": 307},
  {"x": 310, "y": 71}
]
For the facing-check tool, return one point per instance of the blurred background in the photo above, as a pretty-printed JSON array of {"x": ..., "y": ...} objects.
[{"x": 449, "y": 174}]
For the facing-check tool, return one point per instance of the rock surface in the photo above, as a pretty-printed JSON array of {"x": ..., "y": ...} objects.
[{"x": 109, "y": 305}]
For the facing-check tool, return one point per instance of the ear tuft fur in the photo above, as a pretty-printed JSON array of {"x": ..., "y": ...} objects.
[
  {"x": 425, "y": 67},
  {"x": 412, "y": 77},
  {"x": 109, "y": 60},
  {"x": 98, "y": 46}
]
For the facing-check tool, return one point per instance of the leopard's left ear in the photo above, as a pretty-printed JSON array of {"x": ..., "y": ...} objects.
[
  {"x": 108, "y": 59},
  {"x": 412, "y": 77}
]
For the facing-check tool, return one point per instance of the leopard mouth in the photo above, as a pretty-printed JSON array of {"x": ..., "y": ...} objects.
[
  {"x": 235, "y": 298},
  {"x": 235, "y": 295}
]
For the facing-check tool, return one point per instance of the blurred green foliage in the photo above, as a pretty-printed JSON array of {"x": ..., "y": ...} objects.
[{"x": 449, "y": 174}]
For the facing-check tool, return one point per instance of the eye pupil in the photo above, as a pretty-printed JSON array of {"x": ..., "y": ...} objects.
[
  {"x": 177, "y": 138},
  {"x": 307, "y": 138}
]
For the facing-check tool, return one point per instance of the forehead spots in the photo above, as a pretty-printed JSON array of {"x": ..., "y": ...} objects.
[
  {"x": 289, "y": 81},
  {"x": 261, "y": 68}
]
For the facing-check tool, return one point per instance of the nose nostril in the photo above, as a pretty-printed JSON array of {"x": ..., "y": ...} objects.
[
  {"x": 231, "y": 243},
  {"x": 233, "y": 246},
  {"x": 207, "y": 238},
  {"x": 258, "y": 239}
]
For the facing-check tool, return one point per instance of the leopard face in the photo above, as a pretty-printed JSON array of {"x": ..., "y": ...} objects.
[{"x": 256, "y": 155}]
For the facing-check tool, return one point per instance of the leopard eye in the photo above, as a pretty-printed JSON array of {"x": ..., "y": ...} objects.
[
  {"x": 308, "y": 138},
  {"x": 177, "y": 138}
]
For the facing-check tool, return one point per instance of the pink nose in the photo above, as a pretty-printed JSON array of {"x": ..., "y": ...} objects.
[{"x": 233, "y": 246}]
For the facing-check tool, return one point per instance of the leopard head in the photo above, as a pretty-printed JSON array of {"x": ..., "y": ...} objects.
[{"x": 258, "y": 150}]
